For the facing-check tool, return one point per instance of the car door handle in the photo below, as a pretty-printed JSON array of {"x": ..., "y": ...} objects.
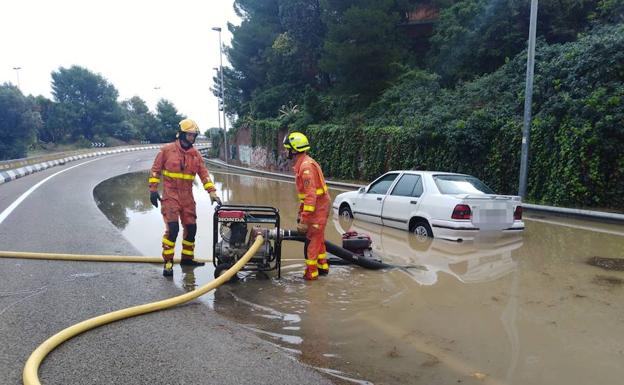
[
  {"x": 413, "y": 202},
  {"x": 378, "y": 198}
]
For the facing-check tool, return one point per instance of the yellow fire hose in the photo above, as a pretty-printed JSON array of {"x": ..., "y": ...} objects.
[
  {"x": 30, "y": 375},
  {"x": 87, "y": 257},
  {"x": 99, "y": 258}
]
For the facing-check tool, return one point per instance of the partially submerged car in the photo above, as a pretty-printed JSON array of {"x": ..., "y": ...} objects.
[{"x": 434, "y": 204}]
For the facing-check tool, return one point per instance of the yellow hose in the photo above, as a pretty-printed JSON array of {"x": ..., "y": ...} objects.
[
  {"x": 31, "y": 368},
  {"x": 85, "y": 257},
  {"x": 102, "y": 258}
]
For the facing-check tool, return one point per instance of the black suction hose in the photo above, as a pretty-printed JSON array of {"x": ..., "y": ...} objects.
[
  {"x": 356, "y": 259},
  {"x": 368, "y": 263}
]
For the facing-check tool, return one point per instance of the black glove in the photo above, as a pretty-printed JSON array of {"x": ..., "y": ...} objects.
[
  {"x": 154, "y": 198},
  {"x": 214, "y": 198}
]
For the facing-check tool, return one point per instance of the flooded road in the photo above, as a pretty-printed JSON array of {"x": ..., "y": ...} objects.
[{"x": 516, "y": 310}]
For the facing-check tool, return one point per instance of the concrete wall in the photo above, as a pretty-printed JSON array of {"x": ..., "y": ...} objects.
[{"x": 258, "y": 157}]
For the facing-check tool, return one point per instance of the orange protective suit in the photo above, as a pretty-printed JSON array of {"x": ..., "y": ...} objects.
[
  {"x": 178, "y": 168},
  {"x": 313, "y": 211}
]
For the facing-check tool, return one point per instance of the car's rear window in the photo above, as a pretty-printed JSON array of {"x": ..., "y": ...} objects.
[{"x": 461, "y": 184}]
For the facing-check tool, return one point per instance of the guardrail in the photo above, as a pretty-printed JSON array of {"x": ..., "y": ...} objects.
[
  {"x": 16, "y": 163},
  {"x": 35, "y": 164},
  {"x": 21, "y": 162},
  {"x": 15, "y": 173}
]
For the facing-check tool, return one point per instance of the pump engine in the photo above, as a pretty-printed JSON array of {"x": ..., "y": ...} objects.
[{"x": 235, "y": 227}]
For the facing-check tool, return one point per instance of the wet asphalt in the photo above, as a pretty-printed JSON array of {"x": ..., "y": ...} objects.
[{"x": 188, "y": 344}]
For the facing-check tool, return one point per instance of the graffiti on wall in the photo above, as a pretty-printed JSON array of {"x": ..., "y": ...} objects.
[
  {"x": 260, "y": 157},
  {"x": 244, "y": 153},
  {"x": 256, "y": 157}
]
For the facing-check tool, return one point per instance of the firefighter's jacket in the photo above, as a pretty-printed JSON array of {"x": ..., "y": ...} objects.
[
  {"x": 311, "y": 190},
  {"x": 177, "y": 168}
]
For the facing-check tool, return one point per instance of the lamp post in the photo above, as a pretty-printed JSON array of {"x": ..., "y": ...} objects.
[
  {"x": 218, "y": 29},
  {"x": 219, "y": 101},
  {"x": 528, "y": 97},
  {"x": 17, "y": 74}
]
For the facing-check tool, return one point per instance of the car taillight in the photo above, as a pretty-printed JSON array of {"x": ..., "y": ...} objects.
[
  {"x": 518, "y": 213},
  {"x": 461, "y": 212}
]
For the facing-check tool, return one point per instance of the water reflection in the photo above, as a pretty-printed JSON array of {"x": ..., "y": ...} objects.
[
  {"x": 189, "y": 283},
  {"x": 116, "y": 196},
  {"x": 509, "y": 310},
  {"x": 471, "y": 262}
]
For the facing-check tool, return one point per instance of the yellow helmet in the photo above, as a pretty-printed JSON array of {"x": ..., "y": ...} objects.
[
  {"x": 188, "y": 125},
  {"x": 297, "y": 142}
]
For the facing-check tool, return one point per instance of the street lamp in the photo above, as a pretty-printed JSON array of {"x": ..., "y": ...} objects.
[
  {"x": 158, "y": 97},
  {"x": 219, "y": 101},
  {"x": 17, "y": 74},
  {"x": 218, "y": 29},
  {"x": 528, "y": 97}
]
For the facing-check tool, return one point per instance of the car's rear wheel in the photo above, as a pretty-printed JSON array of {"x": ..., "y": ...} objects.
[
  {"x": 345, "y": 211},
  {"x": 422, "y": 228}
]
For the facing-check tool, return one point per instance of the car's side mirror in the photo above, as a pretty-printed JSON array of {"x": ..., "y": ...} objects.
[{"x": 362, "y": 190}]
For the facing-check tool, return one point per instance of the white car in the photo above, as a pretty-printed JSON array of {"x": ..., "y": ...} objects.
[{"x": 434, "y": 204}]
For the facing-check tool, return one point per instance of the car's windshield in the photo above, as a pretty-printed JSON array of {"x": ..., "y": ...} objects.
[{"x": 461, "y": 184}]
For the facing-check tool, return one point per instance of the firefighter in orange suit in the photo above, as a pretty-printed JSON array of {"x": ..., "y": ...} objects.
[
  {"x": 314, "y": 204},
  {"x": 177, "y": 164}
]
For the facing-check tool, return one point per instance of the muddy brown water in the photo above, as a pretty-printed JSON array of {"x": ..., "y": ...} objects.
[{"x": 524, "y": 310}]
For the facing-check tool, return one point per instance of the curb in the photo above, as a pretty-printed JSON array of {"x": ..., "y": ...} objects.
[
  {"x": 278, "y": 175},
  {"x": 9, "y": 175},
  {"x": 585, "y": 214}
]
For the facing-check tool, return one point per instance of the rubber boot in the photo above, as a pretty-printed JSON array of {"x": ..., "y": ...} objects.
[
  {"x": 311, "y": 272},
  {"x": 323, "y": 267},
  {"x": 168, "y": 269},
  {"x": 167, "y": 254},
  {"x": 188, "y": 253}
]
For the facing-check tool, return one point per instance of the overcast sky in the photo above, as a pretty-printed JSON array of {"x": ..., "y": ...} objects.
[{"x": 137, "y": 45}]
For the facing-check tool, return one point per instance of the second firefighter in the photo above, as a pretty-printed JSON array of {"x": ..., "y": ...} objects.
[{"x": 314, "y": 204}]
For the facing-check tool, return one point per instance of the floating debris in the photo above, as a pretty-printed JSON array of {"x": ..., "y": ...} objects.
[{"x": 616, "y": 264}]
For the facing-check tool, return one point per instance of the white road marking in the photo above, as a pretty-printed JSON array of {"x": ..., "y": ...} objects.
[{"x": 19, "y": 200}]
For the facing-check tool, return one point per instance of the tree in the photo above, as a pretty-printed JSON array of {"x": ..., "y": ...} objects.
[
  {"x": 141, "y": 121},
  {"x": 362, "y": 45},
  {"x": 53, "y": 129},
  {"x": 88, "y": 103},
  {"x": 18, "y": 123},
  {"x": 295, "y": 53},
  {"x": 475, "y": 37},
  {"x": 168, "y": 119},
  {"x": 248, "y": 54}
]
